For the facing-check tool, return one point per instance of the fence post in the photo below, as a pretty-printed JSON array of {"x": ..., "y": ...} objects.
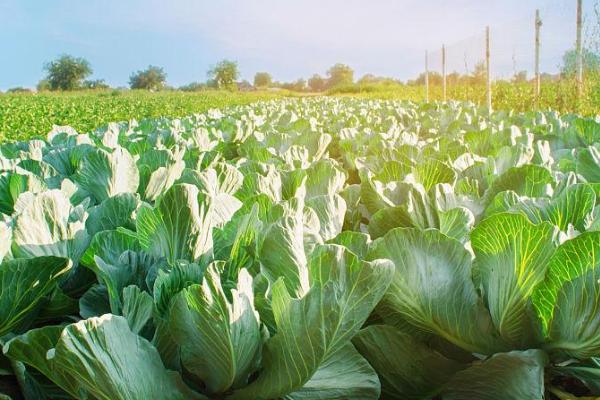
[
  {"x": 444, "y": 72},
  {"x": 579, "y": 51},
  {"x": 488, "y": 67},
  {"x": 538, "y": 81},
  {"x": 426, "y": 76}
]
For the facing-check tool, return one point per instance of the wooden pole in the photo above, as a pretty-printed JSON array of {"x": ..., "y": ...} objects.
[
  {"x": 579, "y": 50},
  {"x": 538, "y": 81},
  {"x": 488, "y": 68},
  {"x": 444, "y": 72},
  {"x": 426, "y": 76}
]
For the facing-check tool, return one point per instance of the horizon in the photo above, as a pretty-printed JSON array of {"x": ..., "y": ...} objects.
[{"x": 290, "y": 41}]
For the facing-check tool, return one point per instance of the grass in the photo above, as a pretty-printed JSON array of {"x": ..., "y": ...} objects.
[{"x": 26, "y": 115}]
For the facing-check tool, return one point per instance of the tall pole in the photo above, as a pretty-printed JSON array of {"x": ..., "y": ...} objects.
[
  {"x": 487, "y": 68},
  {"x": 426, "y": 76},
  {"x": 538, "y": 81},
  {"x": 579, "y": 50},
  {"x": 444, "y": 72}
]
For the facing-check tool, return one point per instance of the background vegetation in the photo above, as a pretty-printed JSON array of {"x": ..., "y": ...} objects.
[
  {"x": 559, "y": 95},
  {"x": 25, "y": 115}
]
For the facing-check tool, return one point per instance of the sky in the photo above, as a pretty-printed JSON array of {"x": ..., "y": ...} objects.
[{"x": 290, "y": 39}]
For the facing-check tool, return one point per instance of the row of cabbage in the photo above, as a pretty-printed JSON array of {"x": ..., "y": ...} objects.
[{"x": 304, "y": 249}]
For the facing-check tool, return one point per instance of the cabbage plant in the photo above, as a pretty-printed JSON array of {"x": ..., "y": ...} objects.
[{"x": 322, "y": 248}]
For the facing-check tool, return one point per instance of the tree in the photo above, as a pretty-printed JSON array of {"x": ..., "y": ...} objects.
[
  {"x": 340, "y": 74},
  {"x": 18, "y": 89},
  {"x": 244, "y": 86},
  {"x": 296, "y": 86},
  {"x": 193, "y": 87},
  {"x": 152, "y": 78},
  {"x": 224, "y": 74},
  {"x": 369, "y": 78},
  {"x": 316, "y": 83},
  {"x": 546, "y": 77},
  {"x": 43, "y": 85},
  {"x": 96, "y": 84},
  {"x": 479, "y": 74},
  {"x": 453, "y": 78},
  {"x": 67, "y": 72},
  {"x": 591, "y": 62},
  {"x": 262, "y": 79},
  {"x": 520, "y": 77},
  {"x": 435, "y": 79}
]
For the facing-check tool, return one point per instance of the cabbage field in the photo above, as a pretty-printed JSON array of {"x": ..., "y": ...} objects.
[{"x": 314, "y": 248}]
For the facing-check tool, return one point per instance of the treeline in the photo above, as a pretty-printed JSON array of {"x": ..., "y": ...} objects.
[
  {"x": 338, "y": 74},
  {"x": 72, "y": 73},
  {"x": 68, "y": 73}
]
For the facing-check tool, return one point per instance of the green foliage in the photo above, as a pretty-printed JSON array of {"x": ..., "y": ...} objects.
[
  {"x": 556, "y": 94},
  {"x": 90, "y": 84},
  {"x": 340, "y": 74},
  {"x": 194, "y": 87},
  {"x": 25, "y": 116},
  {"x": 152, "y": 78},
  {"x": 316, "y": 83},
  {"x": 67, "y": 72},
  {"x": 435, "y": 79},
  {"x": 296, "y": 86},
  {"x": 591, "y": 62},
  {"x": 18, "y": 89},
  {"x": 43, "y": 85},
  {"x": 313, "y": 248},
  {"x": 520, "y": 77},
  {"x": 262, "y": 79},
  {"x": 479, "y": 73},
  {"x": 224, "y": 74}
]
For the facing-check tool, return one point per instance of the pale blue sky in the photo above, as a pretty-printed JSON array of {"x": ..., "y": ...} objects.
[{"x": 289, "y": 39}]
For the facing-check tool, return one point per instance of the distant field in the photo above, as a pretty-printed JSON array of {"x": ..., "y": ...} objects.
[
  {"x": 23, "y": 116},
  {"x": 559, "y": 96}
]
